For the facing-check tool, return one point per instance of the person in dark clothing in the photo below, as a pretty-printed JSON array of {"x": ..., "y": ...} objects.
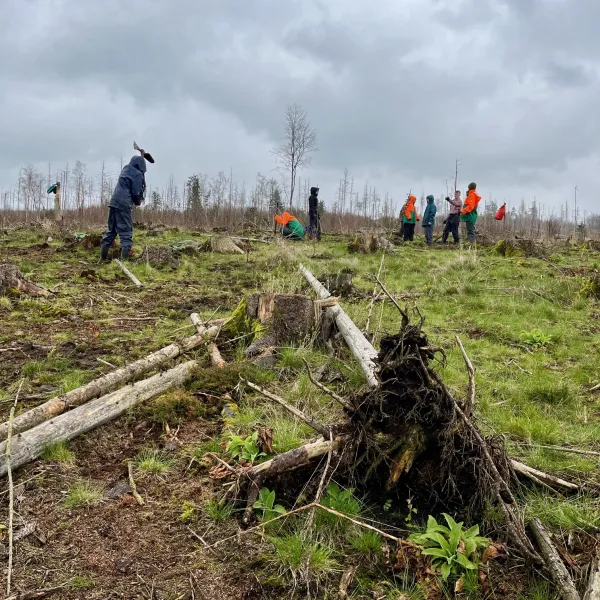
[
  {"x": 130, "y": 190},
  {"x": 314, "y": 224},
  {"x": 429, "y": 219},
  {"x": 453, "y": 220}
]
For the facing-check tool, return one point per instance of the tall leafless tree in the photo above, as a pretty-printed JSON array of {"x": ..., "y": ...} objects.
[{"x": 300, "y": 141}]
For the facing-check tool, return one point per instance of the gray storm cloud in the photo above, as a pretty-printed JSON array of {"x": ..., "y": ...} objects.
[{"x": 395, "y": 91}]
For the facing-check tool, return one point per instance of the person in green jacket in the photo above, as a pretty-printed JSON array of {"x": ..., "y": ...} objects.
[
  {"x": 429, "y": 219},
  {"x": 293, "y": 230},
  {"x": 409, "y": 218},
  {"x": 469, "y": 211}
]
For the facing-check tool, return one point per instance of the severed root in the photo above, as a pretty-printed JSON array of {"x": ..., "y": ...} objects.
[{"x": 541, "y": 477}]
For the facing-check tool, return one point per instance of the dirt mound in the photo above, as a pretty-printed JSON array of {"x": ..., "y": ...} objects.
[
  {"x": 519, "y": 247},
  {"x": 159, "y": 256}
]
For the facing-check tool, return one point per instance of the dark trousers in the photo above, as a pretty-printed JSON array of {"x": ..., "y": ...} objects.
[
  {"x": 452, "y": 225},
  {"x": 314, "y": 225},
  {"x": 409, "y": 232},
  {"x": 428, "y": 234},
  {"x": 120, "y": 222},
  {"x": 470, "y": 232}
]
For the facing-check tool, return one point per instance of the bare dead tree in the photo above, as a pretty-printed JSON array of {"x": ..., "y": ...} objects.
[{"x": 300, "y": 141}]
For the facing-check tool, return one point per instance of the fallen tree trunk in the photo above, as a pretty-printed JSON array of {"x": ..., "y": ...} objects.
[
  {"x": 540, "y": 476},
  {"x": 29, "y": 445},
  {"x": 360, "y": 347},
  {"x": 554, "y": 564},
  {"x": 105, "y": 384}
]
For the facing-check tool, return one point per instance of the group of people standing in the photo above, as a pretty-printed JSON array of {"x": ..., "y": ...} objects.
[{"x": 467, "y": 213}]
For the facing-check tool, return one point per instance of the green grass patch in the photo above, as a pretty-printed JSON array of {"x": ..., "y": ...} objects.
[
  {"x": 83, "y": 493},
  {"x": 58, "y": 452},
  {"x": 154, "y": 462},
  {"x": 581, "y": 512}
]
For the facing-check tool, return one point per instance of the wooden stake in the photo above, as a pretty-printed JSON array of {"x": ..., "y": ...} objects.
[
  {"x": 11, "y": 490},
  {"x": 557, "y": 570},
  {"x": 129, "y": 274},
  {"x": 322, "y": 429},
  {"x": 546, "y": 478},
  {"x": 471, "y": 399}
]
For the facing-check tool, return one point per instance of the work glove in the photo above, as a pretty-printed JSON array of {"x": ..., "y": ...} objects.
[{"x": 447, "y": 198}]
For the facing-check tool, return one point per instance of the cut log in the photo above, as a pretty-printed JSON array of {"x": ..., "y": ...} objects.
[
  {"x": 29, "y": 445},
  {"x": 361, "y": 349},
  {"x": 296, "y": 458},
  {"x": 11, "y": 278},
  {"x": 215, "y": 356},
  {"x": 105, "y": 384},
  {"x": 593, "y": 586},
  {"x": 129, "y": 274},
  {"x": 546, "y": 478},
  {"x": 557, "y": 570}
]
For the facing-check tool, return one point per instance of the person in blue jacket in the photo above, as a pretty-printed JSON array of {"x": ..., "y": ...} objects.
[
  {"x": 129, "y": 191},
  {"x": 429, "y": 219}
]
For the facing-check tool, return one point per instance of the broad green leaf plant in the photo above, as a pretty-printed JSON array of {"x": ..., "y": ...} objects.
[
  {"x": 245, "y": 448},
  {"x": 266, "y": 504},
  {"x": 453, "y": 550}
]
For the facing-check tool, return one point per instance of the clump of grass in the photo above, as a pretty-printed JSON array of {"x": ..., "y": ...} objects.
[
  {"x": 341, "y": 500},
  {"x": 581, "y": 512},
  {"x": 539, "y": 589},
  {"x": 73, "y": 380},
  {"x": 292, "y": 359},
  {"x": 366, "y": 542},
  {"x": 58, "y": 452},
  {"x": 287, "y": 433},
  {"x": 293, "y": 557},
  {"x": 535, "y": 339},
  {"x": 154, "y": 461},
  {"x": 218, "y": 512},
  {"x": 83, "y": 493},
  {"x": 5, "y": 303},
  {"x": 211, "y": 446},
  {"x": 189, "y": 512},
  {"x": 81, "y": 582},
  {"x": 174, "y": 407},
  {"x": 554, "y": 395}
]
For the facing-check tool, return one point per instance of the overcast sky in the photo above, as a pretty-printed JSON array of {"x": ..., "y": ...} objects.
[{"x": 396, "y": 90}]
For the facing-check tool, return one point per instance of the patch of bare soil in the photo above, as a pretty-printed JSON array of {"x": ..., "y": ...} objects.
[{"x": 115, "y": 548}]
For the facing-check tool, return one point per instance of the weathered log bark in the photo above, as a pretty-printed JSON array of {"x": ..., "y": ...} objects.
[
  {"x": 129, "y": 274},
  {"x": 593, "y": 587},
  {"x": 104, "y": 384},
  {"x": 29, "y": 445},
  {"x": 296, "y": 458},
  {"x": 12, "y": 278},
  {"x": 537, "y": 476},
  {"x": 554, "y": 564},
  {"x": 362, "y": 350}
]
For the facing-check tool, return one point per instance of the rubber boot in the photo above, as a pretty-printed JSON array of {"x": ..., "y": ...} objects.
[
  {"x": 124, "y": 254},
  {"x": 104, "y": 254}
]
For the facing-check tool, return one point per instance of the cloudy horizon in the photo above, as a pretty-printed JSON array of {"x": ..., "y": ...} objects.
[{"x": 395, "y": 91}]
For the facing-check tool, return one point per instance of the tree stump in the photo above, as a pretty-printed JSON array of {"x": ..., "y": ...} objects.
[
  {"x": 339, "y": 284},
  {"x": 221, "y": 245},
  {"x": 12, "y": 279},
  {"x": 365, "y": 243},
  {"x": 159, "y": 256},
  {"x": 284, "y": 318}
]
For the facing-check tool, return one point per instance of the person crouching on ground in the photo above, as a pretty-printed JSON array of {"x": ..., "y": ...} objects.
[
  {"x": 469, "y": 212},
  {"x": 409, "y": 219},
  {"x": 314, "y": 221},
  {"x": 453, "y": 219},
  {"x": 130, "y": 190},
  {"x": 429, "y": 219}
]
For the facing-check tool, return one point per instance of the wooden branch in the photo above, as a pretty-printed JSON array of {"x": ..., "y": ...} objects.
[
  {"x": 375, "y": 295},
  {"x": 215, "y": 356},
  {"x": 195, "y": 319},
  {"x": 322, "y": 429},
  {"x": 471, "y": 399},
  {"x": 557, "y": 570},
  {"x": 28, "y": 445},
  {"x": 132, "y": 485},
  {"x": 550, "y": 480},
  {"x": 595, "y": 388},
  {"x": 129, "y": 274},
  {"x": 11, "y": 489},
  {"x": 325, "y": 389},
  {"x": 593, "y": 587},
  {"x": 106, "y": 383},
  {"x": 360, "y": 347},
  {"x": 320, "y": 489},
  {"x": 298, "y": 457},
  {"x": 37, "y": 594},
  {"x": 405, "y": 318},
  {"x": 564, "y": 449}
]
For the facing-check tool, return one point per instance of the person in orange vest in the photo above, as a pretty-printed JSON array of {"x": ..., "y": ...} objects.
[
  {"x": 469, "y": 211},
  {"x": 409, "y": 219}
]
